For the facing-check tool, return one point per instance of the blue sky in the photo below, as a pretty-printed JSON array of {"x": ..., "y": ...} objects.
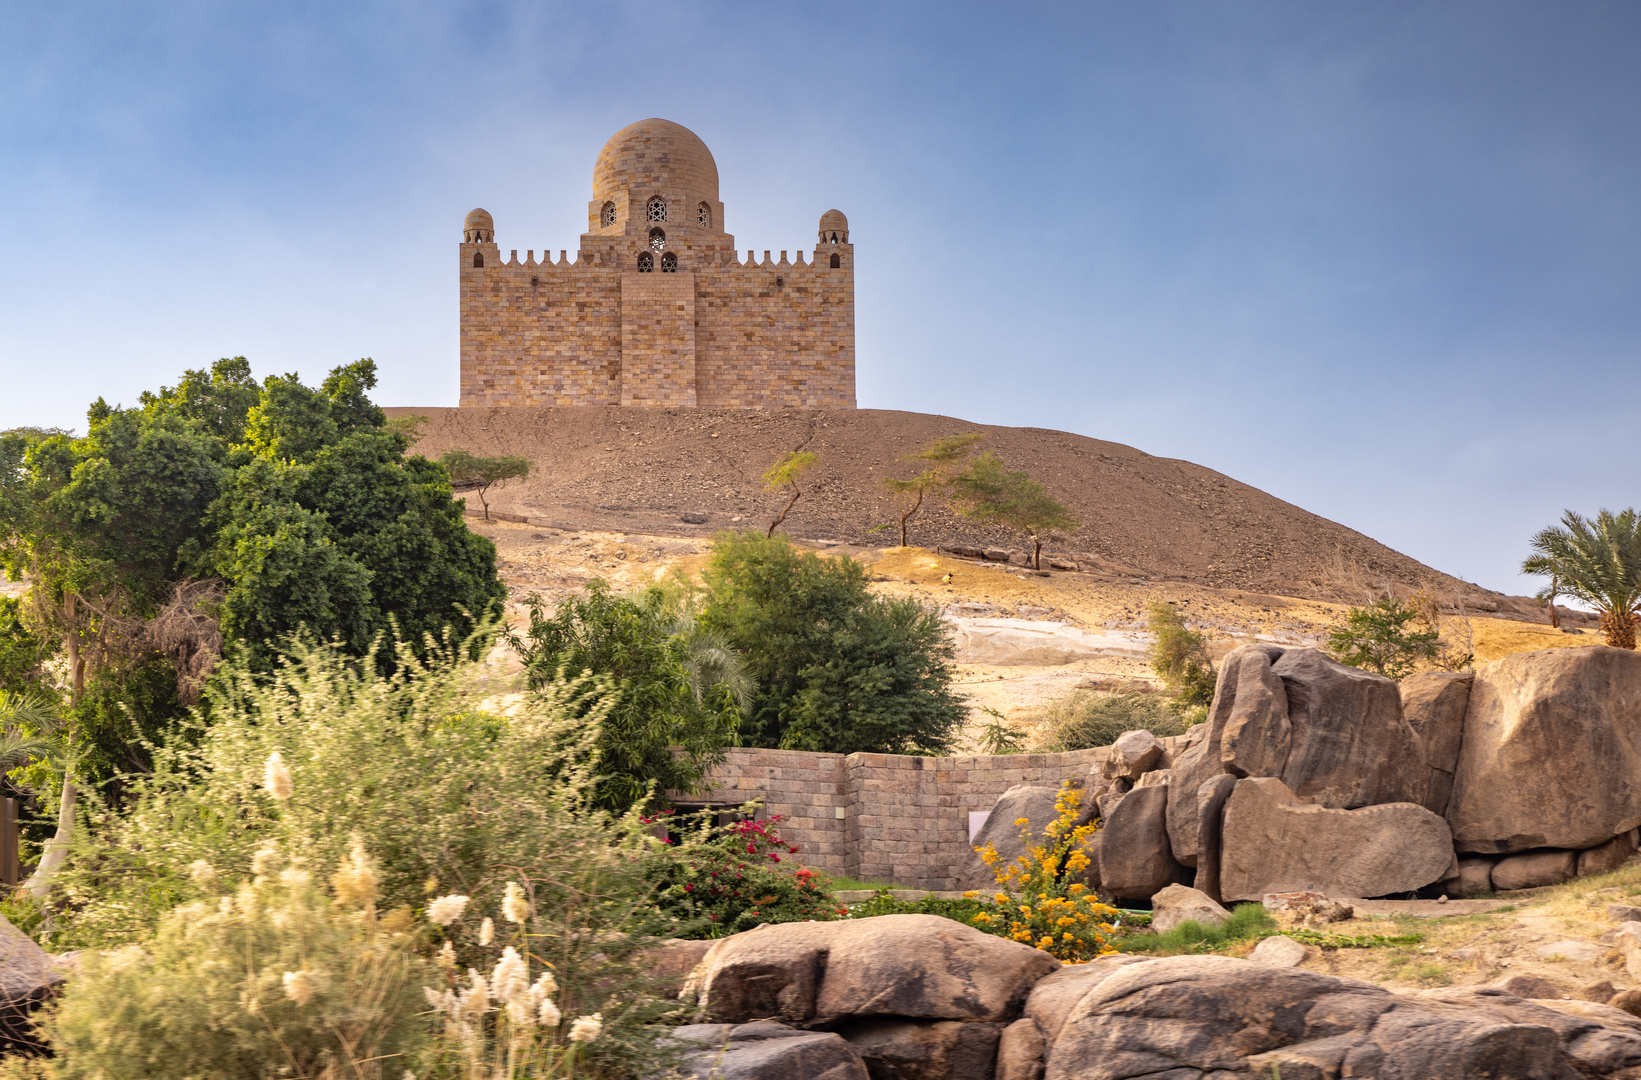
[{"x": 1381, "y": 260}]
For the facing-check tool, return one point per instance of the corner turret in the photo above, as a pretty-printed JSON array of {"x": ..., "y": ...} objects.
[{"x": 480, "y": 227}]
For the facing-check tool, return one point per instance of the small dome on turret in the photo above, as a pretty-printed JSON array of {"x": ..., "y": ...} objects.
[
  {"x": 834, "y": 228},
  {"x": 480, "y": 228}
]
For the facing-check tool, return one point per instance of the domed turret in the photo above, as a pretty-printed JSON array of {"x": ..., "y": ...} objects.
[
  {"x": 479, "y": 228},
  {"x": 834, "y": 228},
  {"x": 655, "y": 154}
]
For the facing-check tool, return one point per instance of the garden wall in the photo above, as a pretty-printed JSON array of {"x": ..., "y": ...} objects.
[{"x": 885, "y": 817}]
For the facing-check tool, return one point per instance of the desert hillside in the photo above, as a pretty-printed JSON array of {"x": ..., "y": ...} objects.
[{"x": 647, "y": 470}]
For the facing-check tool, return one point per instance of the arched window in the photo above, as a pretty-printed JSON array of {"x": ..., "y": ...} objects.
[
  {"x": 658, "y": 239},
  {"x": 669, "y": 263},
  {"x": 703, "y": 215},
  {"x": 606, "y": 216},
  {"x": 478, "y": 260},
  {"x": 837, "y": 260},
  {"x": 646, "y": 262},
  {"x": 657, "y": 210}
]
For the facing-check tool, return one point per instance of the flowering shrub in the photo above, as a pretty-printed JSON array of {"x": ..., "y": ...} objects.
[
  {"x": 1038, "y": 903},
  {"x": 457, "y": 832},
  {"x": 729, "y": 878},
  {"x": 269, "y": 978}
]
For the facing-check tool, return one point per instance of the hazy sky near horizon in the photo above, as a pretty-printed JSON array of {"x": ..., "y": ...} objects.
[{"x": 1382, "y": 260}]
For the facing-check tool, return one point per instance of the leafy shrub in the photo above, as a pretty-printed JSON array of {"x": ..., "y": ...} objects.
[
  {"x": 413, "y": 755},
  {"x": 1083, "y": 719},
  {"x": 734, "y": 877},
  {"x": 1180, "y": 657},
  {"x": 274, "y": 979},
  {"x": 883, "y": 902},
  {"x": 453, "y": 791},
  {"x": 678, "y": 686},
  {"x": 1383, "y": 638},
  {"x": 1039, "y": 902},
  {"x": 838, "y": 670}
]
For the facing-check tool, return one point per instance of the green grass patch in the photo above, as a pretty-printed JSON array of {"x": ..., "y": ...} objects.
[
  {"x": 1353, "y": 941},
  {"x": 1246, "y": 921},
  {"x": 883, "y": 903}
]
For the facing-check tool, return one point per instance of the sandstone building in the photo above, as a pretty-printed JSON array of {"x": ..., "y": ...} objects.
[{"x": 655, "y": 308}]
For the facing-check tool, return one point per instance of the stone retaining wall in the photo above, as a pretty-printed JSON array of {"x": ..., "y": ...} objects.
[{"x": 885, "y": 817}]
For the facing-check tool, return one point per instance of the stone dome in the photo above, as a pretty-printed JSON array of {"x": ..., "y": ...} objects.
[
  {"x": 834, "y": 227},
  {"x": 479, "y": 228},
  {"x": 655, "y": 154}
]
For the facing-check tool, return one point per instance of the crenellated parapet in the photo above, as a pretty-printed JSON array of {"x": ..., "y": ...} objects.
[{"x": 657, "y": 306}]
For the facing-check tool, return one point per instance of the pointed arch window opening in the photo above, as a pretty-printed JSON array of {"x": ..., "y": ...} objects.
[
  {"x": 646, "y": 263},
  {"x": 478, "y": 260},
  {"x": 606, "y": 217},
  {"x": 703, "y": 215},
  {"x": 669, "y": 263},
  {"x": 658, "y": 239},
  {"x": 657, "y": 209}
]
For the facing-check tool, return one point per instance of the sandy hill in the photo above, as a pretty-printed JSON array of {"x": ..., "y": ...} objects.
[{"x": 647, "y": 470}]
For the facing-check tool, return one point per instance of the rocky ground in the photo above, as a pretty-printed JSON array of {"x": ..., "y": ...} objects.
[
  {"x": 1553, "y": 934},
  {"x": 696, "y": 472},
  {"x": 554, "y": 563}
]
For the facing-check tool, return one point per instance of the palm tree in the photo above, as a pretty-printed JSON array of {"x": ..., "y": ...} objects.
[
  {"x": 1597, "y": 562},
  {"x": 31, "y": 730}
]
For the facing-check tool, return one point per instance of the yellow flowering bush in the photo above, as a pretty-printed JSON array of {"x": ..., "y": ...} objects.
[{"x": 1038, "y": 903}]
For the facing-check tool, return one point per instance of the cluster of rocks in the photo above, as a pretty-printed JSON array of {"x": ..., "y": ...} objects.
[
  {"x": 919, "y": 997},
  {"x": 1310, "y": 775}
]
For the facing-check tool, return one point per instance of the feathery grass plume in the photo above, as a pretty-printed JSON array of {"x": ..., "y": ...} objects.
[
  {"x": 487, "y": 931},
  {"x": 355, "y": 881},
  {"x": 396, "y": 752},
  {"x": 548, "y": 1014},
  {"x": 474, "y": 1002},
  {"x": 266, "y": 860},
  {"x": 446, "y": 909},
  {"x": 514, "y": 907},
  {"x": 200, "y": 871},
  {"x": 511, "y": 979},
  {"x": 585, "y": 1029},
  {"x": 299, "y": 986},
  {"x": 287, "y": 988},
  {"x": 295, "y": 877},
  {"x": 276, "y": 778}
]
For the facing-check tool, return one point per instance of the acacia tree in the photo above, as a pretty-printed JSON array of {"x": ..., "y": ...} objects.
[
  {"x": 987, "y": 491},
  {"x": 786, "y": 473},
  {"x": 1597, "y": 562},
  {"x": 940, "y": 458},
  {"x": 467, "y": 468}
]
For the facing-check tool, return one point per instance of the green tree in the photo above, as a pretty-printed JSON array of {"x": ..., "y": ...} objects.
[
  {"x": 465, "y": 468},
  {"x": 987, "y": 491},
  {"x": 678, "y": 686},
  {"x": 223, "y": 514},
  {"x": 1384, "y": 638},
  {"x": 838, "y": 669},
  {"x": 939, "y": 459},
  {"x": 786, "y": 473},
  {"x": 1180, "y": 657},
  {"x": 1597, "y": 562}
]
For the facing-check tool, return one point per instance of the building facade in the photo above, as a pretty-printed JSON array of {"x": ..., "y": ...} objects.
[{"x": 655, "y": 308}]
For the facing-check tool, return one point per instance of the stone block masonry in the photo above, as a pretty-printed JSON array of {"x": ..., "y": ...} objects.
[
  {"x": 886, "y": 817},
  {"x": 655, "y": 307}
]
